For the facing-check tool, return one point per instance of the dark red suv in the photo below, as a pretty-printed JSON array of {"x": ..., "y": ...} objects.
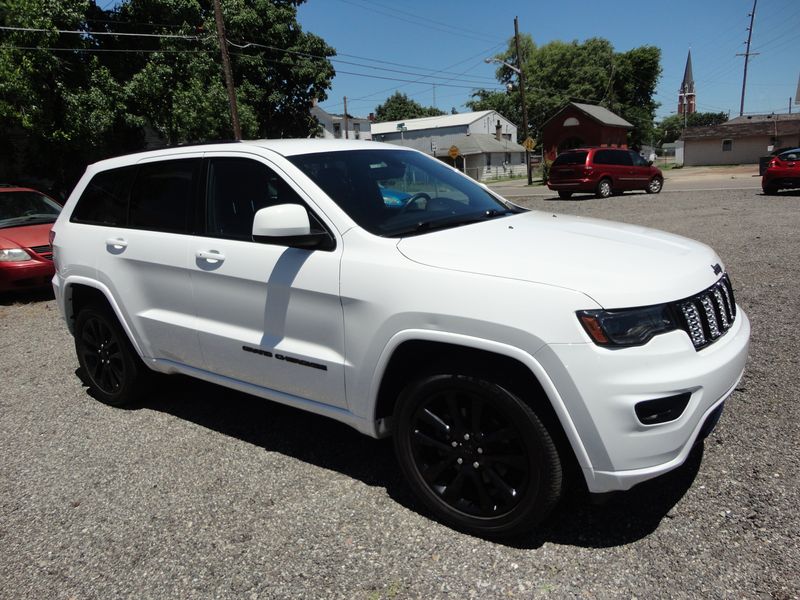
[
  {"x": 782, "y": 172},
  {"x": 604, "y": 171}
]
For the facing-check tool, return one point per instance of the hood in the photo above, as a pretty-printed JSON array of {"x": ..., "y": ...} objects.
[
  {"x": 617, "y": 265},
  {"x": 25, "y": 236}
]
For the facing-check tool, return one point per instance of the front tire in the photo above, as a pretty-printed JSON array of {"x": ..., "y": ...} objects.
[
  {"x": 770, "y": 190},
  {"x": 564, "y": 195},
  {"x": 111, "y": 367},
  {"x": 476, "y": 455},
  {"x": 604, "y": 189},
  {"x": 655, "y": 185}
]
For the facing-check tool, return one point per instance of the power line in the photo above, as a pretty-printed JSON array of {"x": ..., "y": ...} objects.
[
  {"x": 345, "y": 62},
  {"x": 88, "y": 32},
  {"x": 419, "y": 23}
]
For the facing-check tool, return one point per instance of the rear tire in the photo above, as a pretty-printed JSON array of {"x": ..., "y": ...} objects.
[
  {"x": 564, "y": 195},
  {"x": 113, "y": 371},
  {"x": 604, "y": 189},
  {"x": 770, "y": 190},
  {"x": 476, "y": 455}
]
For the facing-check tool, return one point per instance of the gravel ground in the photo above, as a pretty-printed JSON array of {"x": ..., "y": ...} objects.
[{"x": 206, "y": 493}]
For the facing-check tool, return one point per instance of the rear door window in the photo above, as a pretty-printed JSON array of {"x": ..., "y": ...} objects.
[{"x": 162, "y": 197}]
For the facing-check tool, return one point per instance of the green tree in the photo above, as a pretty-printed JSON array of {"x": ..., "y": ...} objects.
[
  {"x": 94, "y": 96},
  {"x": 589, "y": 71},
  {"x": 65, "y": 104},
  {"x": 671, "y": 127},
  {"x": 398, "y": 107}
]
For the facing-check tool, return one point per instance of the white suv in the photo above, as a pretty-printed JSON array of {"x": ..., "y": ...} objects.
[{"x": 380, "y": 287}]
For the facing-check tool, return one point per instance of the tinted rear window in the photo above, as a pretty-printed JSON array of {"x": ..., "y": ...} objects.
[
  {"x": 612, "y": 157},
  {"x": 162, "y": 195},
  {"x": 570, "y": 158}
]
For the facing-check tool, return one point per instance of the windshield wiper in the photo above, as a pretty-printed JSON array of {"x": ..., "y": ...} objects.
[
  {"x": 14, "y": 221},
  {"x": 449, "y": 222}
]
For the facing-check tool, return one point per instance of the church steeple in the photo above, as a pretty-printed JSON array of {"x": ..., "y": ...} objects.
[{"x": 686, "y": 95}]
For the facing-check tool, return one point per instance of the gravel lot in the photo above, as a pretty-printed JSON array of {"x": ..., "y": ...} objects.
[{"x": 206, "y": 493}]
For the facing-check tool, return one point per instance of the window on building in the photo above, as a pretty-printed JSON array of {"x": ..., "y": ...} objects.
[
  {"x": 507, "y": 158},
  {"x": 727, "y": 145},
  {"x": 357, "y": 130},
  {"x": 337, "y": 130},
  {"x": 488, "y": 159}
]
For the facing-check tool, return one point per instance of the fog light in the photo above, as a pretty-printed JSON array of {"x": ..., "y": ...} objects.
[{"x": 662, "y": 410}]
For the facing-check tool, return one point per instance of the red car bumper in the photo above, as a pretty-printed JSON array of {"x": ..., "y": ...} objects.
[{"x": 25, "y": 275}]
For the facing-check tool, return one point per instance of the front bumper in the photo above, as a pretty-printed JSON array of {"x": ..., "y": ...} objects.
[
  {"x": 600, "y": 388},
  {"x": 25, "y": 275}
]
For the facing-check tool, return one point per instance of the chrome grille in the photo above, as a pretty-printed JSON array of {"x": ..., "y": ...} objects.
[
  {"x": 709, "y": 314},
  {"x": 44, "y": 251}
]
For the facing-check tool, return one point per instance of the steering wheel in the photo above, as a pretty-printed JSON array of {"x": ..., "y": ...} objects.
[{"x": 413, "y": 199}]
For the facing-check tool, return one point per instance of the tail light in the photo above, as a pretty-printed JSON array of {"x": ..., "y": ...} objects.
[
  {"x": 587, "y": 171},
  {"x": 773, "y": 162}
]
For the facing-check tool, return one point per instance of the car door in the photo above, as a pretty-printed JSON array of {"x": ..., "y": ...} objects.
[
  {"x": 640, "y": 171},
  {"x": 143, "y": 257},
  {"x": 268, "y": 315}
]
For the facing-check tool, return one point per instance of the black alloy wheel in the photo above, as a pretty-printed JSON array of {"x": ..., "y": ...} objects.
[
  {"x": 476, "y": 455},
  {"x": 110, "y": 365}
]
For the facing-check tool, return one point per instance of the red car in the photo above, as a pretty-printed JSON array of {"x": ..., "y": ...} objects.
[
  {"x": 603, "y": 171},
  {"x": 782, "y": 172},
  {"x": 26, "y": 257}
]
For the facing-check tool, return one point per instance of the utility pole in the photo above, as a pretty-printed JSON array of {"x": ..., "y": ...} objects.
[
  {"x": 747, "y": 54},
  {"x": 346, "y": 135},
  {"x": 226, "y": 68},
  {"x": 521, "y": 74}
]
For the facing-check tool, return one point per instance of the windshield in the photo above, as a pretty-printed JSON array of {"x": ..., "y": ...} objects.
[
  {"x": 395, "y": 193},
  {"x": 26, "y": 208}
]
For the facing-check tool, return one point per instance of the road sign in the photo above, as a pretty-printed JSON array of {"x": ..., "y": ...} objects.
[
  {"x": 529, "y": 144},
  {"x": 453, "y": 152}
]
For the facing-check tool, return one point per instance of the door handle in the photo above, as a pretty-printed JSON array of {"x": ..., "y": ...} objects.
[
  {"x": 117, "y": 243},
  {"x": 211, "y": 256}
]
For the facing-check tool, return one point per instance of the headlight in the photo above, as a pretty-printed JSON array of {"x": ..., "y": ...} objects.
[
  {"x": 14, "y": 255},
  {"x": 627, "y": 327}
]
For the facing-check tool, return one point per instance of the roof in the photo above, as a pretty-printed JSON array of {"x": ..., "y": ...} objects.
[
  {"x": 480, "y": 143},
  {"x": 748, "y": 126},
  {"x": 688, "y": 80},
  {"x": 431, "y": 122},
  {"x": 598, "y": 113}
]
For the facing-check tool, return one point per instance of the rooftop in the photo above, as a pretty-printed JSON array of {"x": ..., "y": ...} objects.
[{"x": 430, "y": 122}]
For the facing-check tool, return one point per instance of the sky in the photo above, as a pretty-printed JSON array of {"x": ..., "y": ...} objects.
[{"x": 444, "y": 42}]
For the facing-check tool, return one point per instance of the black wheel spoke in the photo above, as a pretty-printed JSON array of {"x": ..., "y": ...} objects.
[
  {"x": 485, "y": 502},
  {"x": 429, "y": 417},
  {"x": 433, "y": 472},
  {"x": 455, "y": 412},
  {"x": 500, "y": 483},
  {"x": 477, "y": 413},
  {"x": 452, "y": 492},
  {"x": 517, "y": 461},
  {"x": 501, "y": 435},
  {"x": 426, "y": 440}
]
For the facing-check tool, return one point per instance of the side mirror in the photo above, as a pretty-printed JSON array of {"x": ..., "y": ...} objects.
[
  {"x": 288, "y": 225},
  {"x": 649, "y": 163}
]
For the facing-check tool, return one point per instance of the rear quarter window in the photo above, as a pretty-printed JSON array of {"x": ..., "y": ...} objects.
[{"x": 105, "y": 200}]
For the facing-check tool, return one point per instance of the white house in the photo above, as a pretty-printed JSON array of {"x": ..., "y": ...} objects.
[
  {"x": 485, "y": 140},
  {"x": 333, "y": 126}
]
